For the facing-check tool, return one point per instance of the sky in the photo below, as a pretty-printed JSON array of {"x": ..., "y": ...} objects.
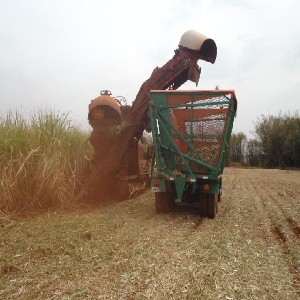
[{"x": 59, "y": 54}]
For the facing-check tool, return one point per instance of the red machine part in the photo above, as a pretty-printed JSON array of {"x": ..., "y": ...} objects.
[
  {"x": 104, "y": 115},
  {"x": 123, "y": 154},
  {"x": 204, "y": 120}
]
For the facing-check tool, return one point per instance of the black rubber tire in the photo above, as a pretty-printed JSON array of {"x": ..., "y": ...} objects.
[
  {"x": 163, "y": 202},
  {"x": 212, "y": 205},
  {"x": 203, "y": 205},
  {"x": 172, "y": 195},
  {"x": 219, "y": 196}
]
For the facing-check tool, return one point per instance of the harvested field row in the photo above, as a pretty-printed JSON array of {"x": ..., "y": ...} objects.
[{"x": 127, "y": 251}]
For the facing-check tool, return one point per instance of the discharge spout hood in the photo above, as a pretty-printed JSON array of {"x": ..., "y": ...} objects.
[{"x": 206, "y": 47}]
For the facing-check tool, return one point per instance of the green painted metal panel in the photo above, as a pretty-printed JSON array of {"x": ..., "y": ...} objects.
[{"x": 168, "y": 154}]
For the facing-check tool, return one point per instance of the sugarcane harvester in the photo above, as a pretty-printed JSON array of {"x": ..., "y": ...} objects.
[{"x": 117, "y": 155}]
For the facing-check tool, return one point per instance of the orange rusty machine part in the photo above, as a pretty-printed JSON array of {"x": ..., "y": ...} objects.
[{"x": 118, "y": 128}]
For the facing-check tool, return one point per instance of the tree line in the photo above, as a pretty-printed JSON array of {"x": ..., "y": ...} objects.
[{"x": 275, "y": 143}]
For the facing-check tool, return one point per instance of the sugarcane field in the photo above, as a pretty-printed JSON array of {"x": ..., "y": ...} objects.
[{"x": 149, "y": 150}]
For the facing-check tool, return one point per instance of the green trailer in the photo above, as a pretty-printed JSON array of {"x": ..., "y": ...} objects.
[{"x": 191, "y": 132}]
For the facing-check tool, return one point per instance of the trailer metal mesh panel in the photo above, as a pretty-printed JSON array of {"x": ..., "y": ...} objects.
[{"x": 201, "y": 130}]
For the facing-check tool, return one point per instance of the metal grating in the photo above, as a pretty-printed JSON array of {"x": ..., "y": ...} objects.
[{"x": 203, "y": 129}]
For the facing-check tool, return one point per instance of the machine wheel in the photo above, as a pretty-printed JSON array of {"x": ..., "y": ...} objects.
[
  {"x": 212, "y": 205},
  {"x": 203, "y": 205},
  {"x": 172, "y": 195},
  {"x": 219, "y": 196},
  {"x": 163, "y": 202}
]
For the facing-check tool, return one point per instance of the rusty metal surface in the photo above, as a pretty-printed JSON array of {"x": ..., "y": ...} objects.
[
  {"x": 208, "y": 127},
  {"x": 104, "y": 115},
  {"x": 172, "y": 75},
  {"x": 104, "y": 100},
  {"x": 182, "y": 67}
]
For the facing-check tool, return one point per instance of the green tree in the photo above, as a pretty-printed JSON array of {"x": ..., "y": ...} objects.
[
  {"x": 278, "y": 139},
  {"x": 237, "y": 147},
  {"x": 253, "y": 153}
]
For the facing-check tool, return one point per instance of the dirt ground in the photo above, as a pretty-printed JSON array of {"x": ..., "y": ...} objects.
[{"x": 127, "y": 251}]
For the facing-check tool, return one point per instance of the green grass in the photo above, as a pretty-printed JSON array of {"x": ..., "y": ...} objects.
[{"x": 42, "y": 161}]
